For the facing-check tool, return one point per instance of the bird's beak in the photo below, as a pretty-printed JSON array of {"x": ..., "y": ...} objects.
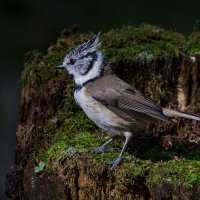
[{"x": 61, "y": 66}]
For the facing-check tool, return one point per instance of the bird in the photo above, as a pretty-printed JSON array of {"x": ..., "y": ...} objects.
[{"x": 115, "y": 106}]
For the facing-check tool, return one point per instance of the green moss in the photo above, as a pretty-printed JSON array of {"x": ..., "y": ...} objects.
[
  {"x": 106, "y": 156},
  {"x": 193, "y": 45},
  {"x": 76, "y": 135},
  {"x": 87, "y": 140},
  {"x": 130, "y": 171},
  {"x": 39, "y": 67},
  {"x": 176, "y": 172},
  {"x": 145, "y": 43}
]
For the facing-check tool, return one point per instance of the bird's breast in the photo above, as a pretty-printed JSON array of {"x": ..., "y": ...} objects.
[{"x": 99, "y": 114}]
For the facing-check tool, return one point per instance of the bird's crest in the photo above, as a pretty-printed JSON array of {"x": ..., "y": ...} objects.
[{"x": 89, "y": 46}]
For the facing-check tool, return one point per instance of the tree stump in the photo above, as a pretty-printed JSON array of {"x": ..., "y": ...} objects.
[{"x": 54, "y": 135}]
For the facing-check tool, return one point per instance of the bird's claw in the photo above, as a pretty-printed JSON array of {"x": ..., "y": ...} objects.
[{"x": 113, "y": 163}]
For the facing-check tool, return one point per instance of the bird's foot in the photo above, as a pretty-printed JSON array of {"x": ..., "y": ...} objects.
[
  {"x": 114, "y": 163},
  {"x": 97, "y": 150},
  {"x": 101, "y": 148}
]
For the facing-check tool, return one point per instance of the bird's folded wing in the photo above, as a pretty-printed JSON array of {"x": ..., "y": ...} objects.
[{"x": 130, "y": 102}]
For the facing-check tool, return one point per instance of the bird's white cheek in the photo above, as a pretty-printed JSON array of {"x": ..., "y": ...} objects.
[{"x": 70, "y": 70}]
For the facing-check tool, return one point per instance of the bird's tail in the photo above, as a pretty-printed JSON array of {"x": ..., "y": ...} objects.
[{"x": 173, "y": 113}]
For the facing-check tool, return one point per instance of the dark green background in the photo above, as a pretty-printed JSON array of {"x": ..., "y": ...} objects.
[{"x": 32, "y": 24}]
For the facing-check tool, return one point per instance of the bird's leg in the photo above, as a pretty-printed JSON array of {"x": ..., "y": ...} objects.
[
  {"x": 119, "y": 158},
  {"x": 101, "y": 148}
]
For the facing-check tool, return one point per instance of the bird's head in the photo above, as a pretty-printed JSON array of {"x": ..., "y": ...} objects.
[{"x": 84, "y": 62}]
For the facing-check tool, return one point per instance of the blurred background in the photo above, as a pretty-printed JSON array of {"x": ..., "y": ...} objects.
[{"x": 32, "y": 24}]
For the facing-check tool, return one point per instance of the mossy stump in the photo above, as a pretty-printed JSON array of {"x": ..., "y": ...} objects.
[{"x": 54, "y": 135}]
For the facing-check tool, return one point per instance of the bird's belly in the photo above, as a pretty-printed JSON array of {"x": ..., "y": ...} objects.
[{"x": 100, "y": 115}]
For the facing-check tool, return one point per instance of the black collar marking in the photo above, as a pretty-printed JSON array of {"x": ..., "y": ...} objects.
[{"x": 78, "y": 87}]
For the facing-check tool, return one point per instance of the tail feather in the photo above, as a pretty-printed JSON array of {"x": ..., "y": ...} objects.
[{"x": 173, "y": 113}]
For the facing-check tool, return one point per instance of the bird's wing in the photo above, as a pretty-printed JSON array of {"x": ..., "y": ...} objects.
[{"x": 122, "y": 98}]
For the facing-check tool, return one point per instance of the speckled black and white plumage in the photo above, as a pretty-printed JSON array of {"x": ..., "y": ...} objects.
[{"x": 85, "y": 61}]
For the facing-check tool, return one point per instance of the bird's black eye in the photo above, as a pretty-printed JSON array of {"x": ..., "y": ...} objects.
[{"x": 72, "y": 61}]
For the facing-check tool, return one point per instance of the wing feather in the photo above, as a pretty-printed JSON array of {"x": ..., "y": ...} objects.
[
  {"x": 130, "y": 102},
  {"x": 125, "y": 100}
]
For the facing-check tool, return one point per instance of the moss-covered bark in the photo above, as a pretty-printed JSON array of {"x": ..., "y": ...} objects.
[{"x": 54, "y": 135}]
